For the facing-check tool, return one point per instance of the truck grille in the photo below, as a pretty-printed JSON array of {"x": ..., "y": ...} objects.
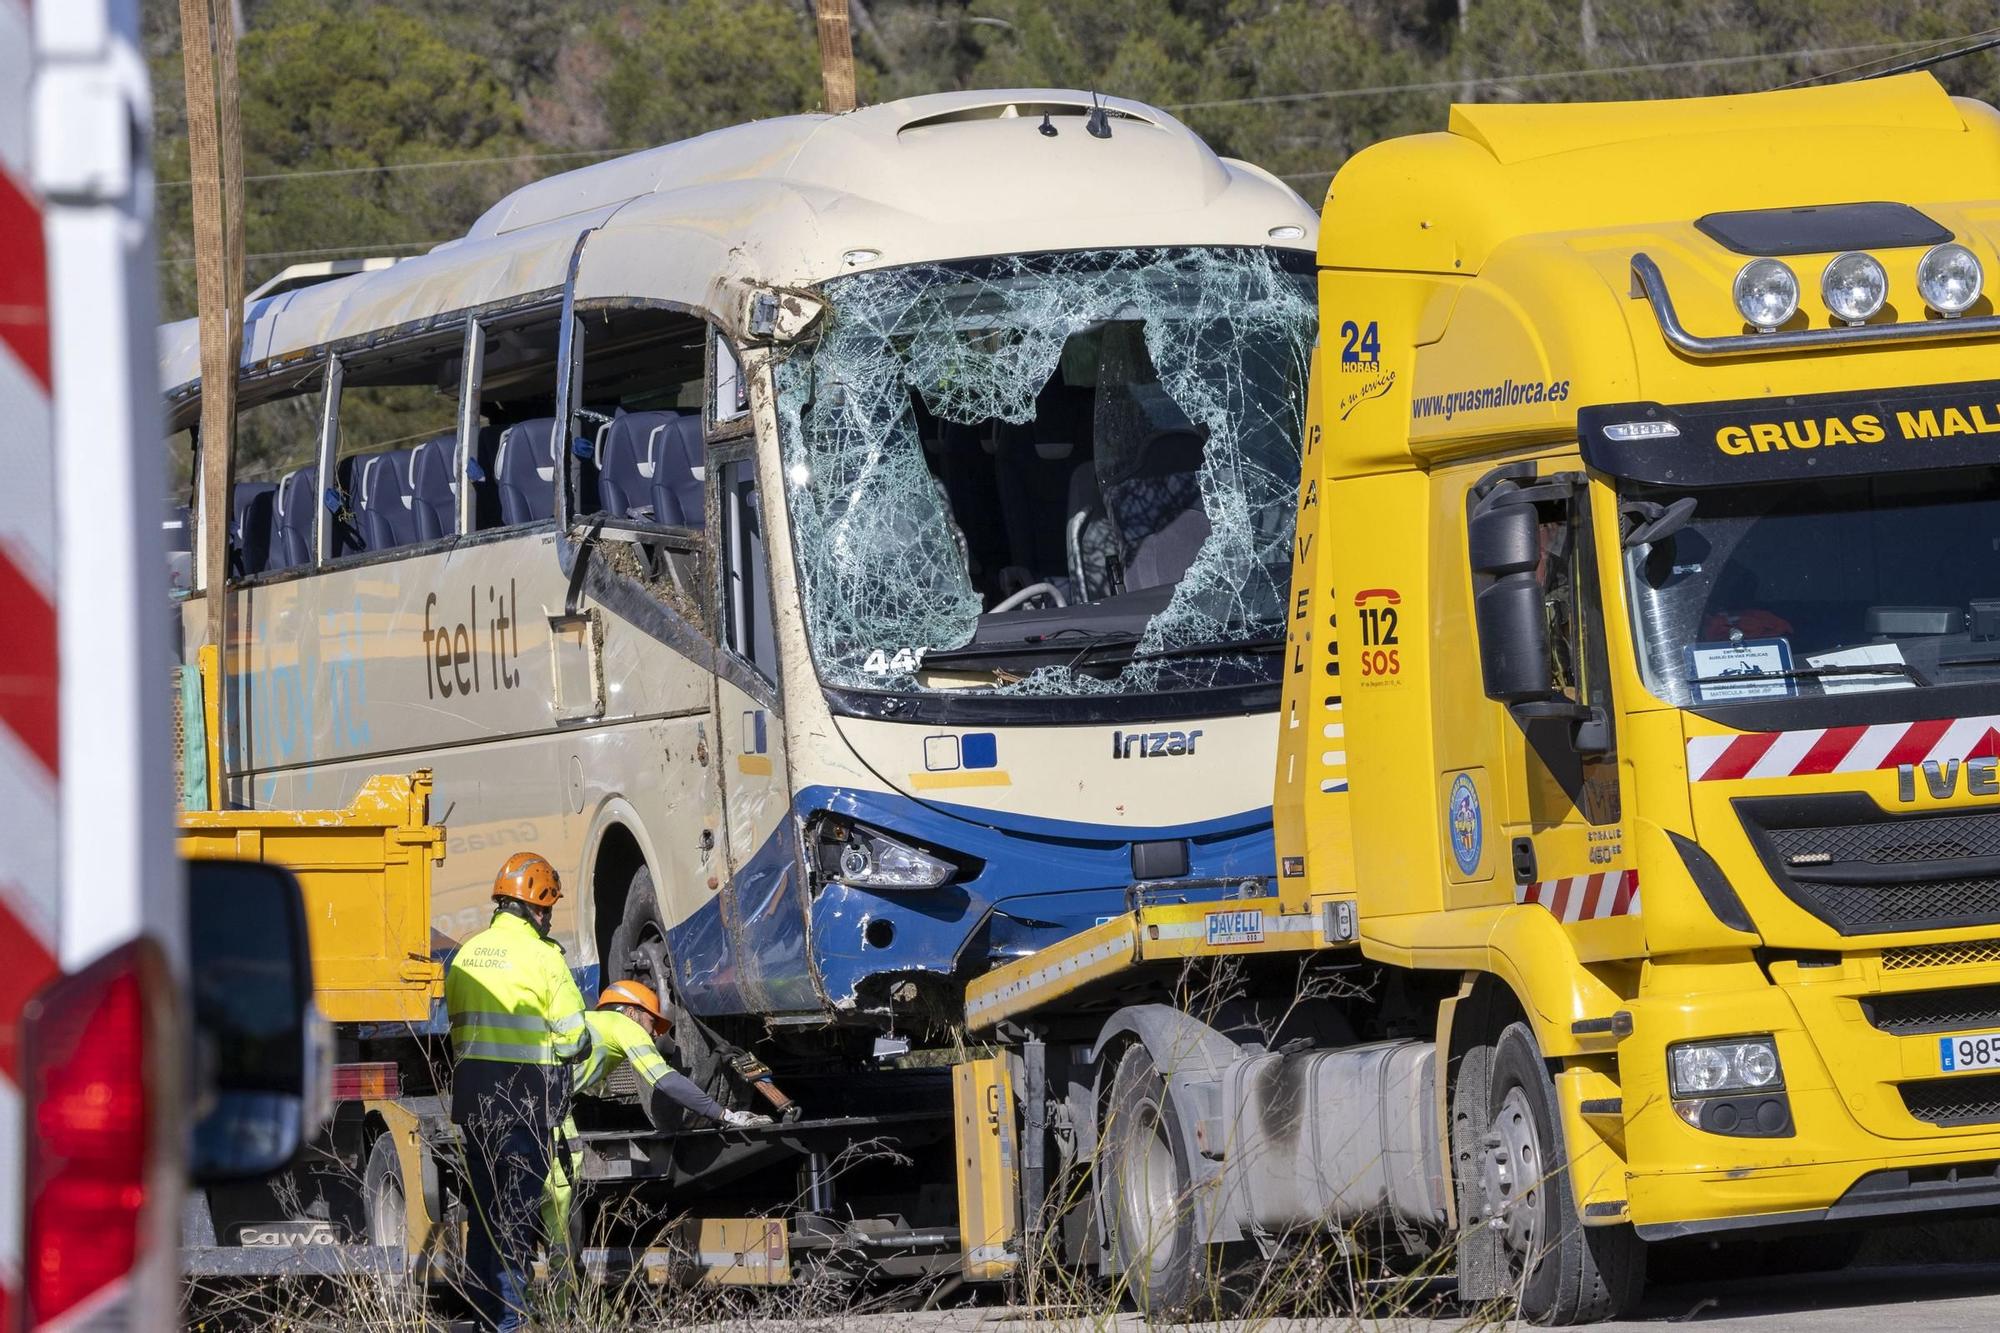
[
  {"x": 1864, "y": 871},
  {"x": 1959, "y": 953},
  {"x": 1972, "y": 1099},
  {"x": 1911, "y": 1013}
]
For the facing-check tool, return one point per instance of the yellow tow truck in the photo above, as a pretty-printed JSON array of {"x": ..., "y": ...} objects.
[{"x": 1638, "y": 859}]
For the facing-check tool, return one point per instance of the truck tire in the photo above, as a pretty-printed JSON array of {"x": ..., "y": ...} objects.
[
  {"x": 1146, "y": 1185},
  {"x": 1563, "y": 1272},
  {"x": 386, "y": 1203}
]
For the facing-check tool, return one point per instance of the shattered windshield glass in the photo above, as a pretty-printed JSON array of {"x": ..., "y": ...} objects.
[{"x": 1050, "y": 474}]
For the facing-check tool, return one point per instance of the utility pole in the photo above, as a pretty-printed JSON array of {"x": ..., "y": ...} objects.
[
  {"x": 215, "y": 162},
  {"x": 836, "y": 55}
]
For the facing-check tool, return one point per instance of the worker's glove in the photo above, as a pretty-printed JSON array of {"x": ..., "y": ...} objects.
[{"x": 744, "y": 1119}]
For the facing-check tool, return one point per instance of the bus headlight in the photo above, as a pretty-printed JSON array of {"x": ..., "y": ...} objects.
[
  {"x": 867, "y": 858},
  {"x": 1854, "y": 285},
  {"x": 1704, "y": 1068},
  {"x": 1949, "y": 278},
  {"x": 1767, "y": 294}
]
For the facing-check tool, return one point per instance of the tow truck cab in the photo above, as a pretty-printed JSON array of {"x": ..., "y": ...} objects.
[{"x": 1645, "y": 659}]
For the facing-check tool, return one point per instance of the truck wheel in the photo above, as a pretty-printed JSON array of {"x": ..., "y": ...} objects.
[
  {"x": 1563, "y": 1271},
  {"x": 1147, "y": 1191},
  {"x": 388, "y": 1220}
]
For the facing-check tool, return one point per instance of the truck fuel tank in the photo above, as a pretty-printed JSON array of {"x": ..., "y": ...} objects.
[{"x": 1331, "y": 1137}]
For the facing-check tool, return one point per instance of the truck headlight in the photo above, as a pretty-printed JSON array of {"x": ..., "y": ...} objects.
[
  {"x": 867, "y": 858},
  {"x": 1742, "y": 1064},
  {"x": 1949, "y": 277},
  {"x": 1767, "y": 294},
  {"x": 1854, "y": 285}
]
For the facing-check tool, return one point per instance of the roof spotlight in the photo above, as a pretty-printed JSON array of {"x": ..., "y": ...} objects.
[
  {"x": 1854, "y": 285},
  {"x": 1767, "y": 294},
  {"x": 1949, "y": 277}
]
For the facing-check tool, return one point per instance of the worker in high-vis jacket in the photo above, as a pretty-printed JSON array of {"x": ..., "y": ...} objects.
[
  {"x": 517, "y": 1025},
  {"x": 626, "y": 1028}
]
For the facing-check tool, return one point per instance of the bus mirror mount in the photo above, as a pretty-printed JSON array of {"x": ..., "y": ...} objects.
[{"x": 781, "y": 315}]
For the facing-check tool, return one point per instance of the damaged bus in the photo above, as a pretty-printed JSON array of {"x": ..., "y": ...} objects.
[{"x": 853, "y": 549}]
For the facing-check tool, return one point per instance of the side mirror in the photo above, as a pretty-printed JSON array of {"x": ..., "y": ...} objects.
[
  {"x": 260, "y": 1081},
  {"x": 1503, "y": 542},
  {"x": 1513, "y": 640}
]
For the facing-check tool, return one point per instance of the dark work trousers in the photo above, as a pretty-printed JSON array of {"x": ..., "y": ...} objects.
[{"x": 508, "y": 1159}]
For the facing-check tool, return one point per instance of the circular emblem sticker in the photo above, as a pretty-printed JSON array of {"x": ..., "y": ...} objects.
[{"x": 1468, "y": 834}]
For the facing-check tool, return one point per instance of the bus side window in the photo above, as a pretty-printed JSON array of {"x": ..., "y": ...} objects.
[
  {"x": 640, "y": 416},
  {"x": 397, "y": 421},
  {"x": 729, "y": 399},
  {"x": 277, "y": 439},
  {"x": 746, "y": 583},
  {"x": 514, "y": 455}
]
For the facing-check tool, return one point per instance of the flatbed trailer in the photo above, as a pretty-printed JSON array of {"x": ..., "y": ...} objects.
[{"x": 380, "y": 1193}]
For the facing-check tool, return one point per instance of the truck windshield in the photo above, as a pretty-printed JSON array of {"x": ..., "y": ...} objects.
[
  {"x": 1882, "y": 582},
  {"x": 1051, "y": 474}
]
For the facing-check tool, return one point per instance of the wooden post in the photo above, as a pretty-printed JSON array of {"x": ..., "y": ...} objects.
[
  {"x": 836, "y": 55},
  {"x": 215, "y": 162}
]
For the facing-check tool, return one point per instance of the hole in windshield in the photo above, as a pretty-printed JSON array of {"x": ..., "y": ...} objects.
[{"x": 1048, "y": 474}]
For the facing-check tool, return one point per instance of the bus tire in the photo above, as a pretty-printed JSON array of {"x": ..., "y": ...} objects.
[
  {"x": 387, "y": 1204},
  {"x": 1562, "y": 1271},
  {"x": 639, "y": 950},
  {"x": 1147, "y": 1189}
]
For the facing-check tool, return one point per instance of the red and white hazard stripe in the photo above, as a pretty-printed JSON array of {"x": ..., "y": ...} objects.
[
  {"x": 29, "y": 666},
  {"x": 1818, "y": 750},
  {"x": 1585, "y": 897}
]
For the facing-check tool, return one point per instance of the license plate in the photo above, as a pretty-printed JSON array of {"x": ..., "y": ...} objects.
[
  {"x": 1236, "y": 927},
  {"x": 1980, "y": 1050}
]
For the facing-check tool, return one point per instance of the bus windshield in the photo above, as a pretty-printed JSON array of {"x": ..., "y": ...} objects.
[
  {"x": 1052, "y": 474},
  {"x": 1888, "y": 581}
]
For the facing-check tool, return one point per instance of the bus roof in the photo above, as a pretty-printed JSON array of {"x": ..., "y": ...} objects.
[
  {"x": 792, "y": 201},
  {"x": 1505, "y": 250}
]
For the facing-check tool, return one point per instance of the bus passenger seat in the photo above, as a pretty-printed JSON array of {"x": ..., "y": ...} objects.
[
  {"x": 433, "y": 489},
  {"x": 628, "y": 463},
  {"x": 252, "y": 527},
  {"x": 525, "y": 470},
  {"x": 298, "y": 498},
  {"x": 382, "y": 506},
  {"x": 678, "y": 473}
]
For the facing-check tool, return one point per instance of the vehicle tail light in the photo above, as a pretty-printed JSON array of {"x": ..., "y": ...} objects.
[
  {"x": 93, "y": 1055},
  {"x": 376, "y": 1079}
]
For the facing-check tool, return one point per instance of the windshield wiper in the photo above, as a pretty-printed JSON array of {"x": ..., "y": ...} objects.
[
  {"x": 1815, "y": 672},
  {"x": 1055, "y": 641},
  {"x": 1268, "y": 644}
]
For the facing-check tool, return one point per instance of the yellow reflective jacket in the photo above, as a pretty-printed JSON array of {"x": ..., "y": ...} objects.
[
  {"x": 614, "y": 1040},
  {"x": 516, "y": 1018}
]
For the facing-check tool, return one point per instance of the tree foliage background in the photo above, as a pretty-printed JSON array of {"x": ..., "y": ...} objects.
[{"x": 387, "y": 126}]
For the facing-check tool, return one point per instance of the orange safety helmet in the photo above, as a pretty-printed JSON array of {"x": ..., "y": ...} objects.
[
  {"x": 530, "y": 879},
  {"x": 632, "y": 993}
]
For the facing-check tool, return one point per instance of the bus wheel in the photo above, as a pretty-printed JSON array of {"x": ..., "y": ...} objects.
[
  {"x": 639, "y": 950},
  {"x": 1147, "y": 1189},
  {"x": 1563, "y": 1271},
  {"x": 387, "y": 1208}
]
